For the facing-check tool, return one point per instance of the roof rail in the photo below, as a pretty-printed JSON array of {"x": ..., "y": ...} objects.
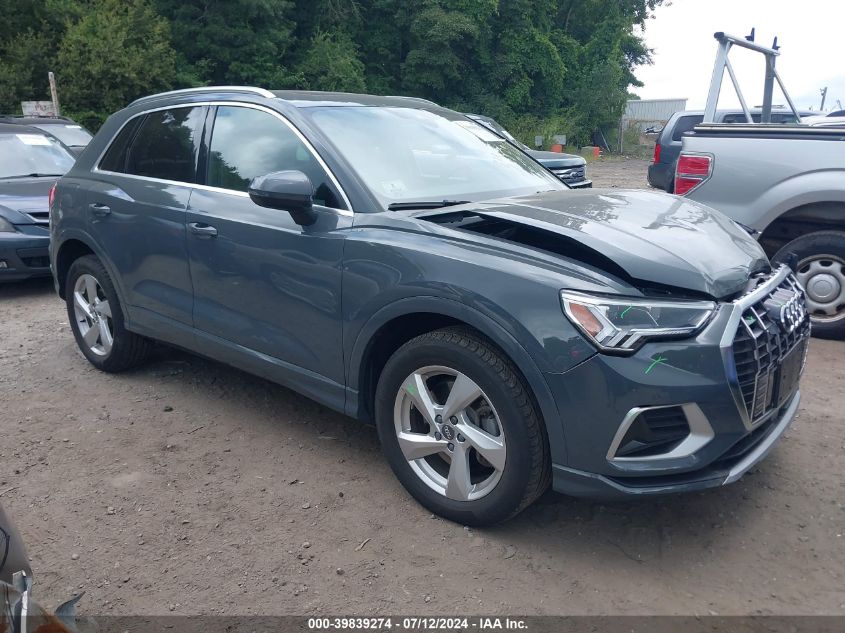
[{"x": 259, "y": 91}]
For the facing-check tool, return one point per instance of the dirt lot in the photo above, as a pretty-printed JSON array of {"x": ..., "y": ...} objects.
[{"x": 189, "y": 487}]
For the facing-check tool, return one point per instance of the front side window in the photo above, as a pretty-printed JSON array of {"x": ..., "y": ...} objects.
[
  {"x": 166, "y": 145},
  {"x": 247, "y": 143},
  {"x": 30, "y": 154},
  {"x": 407, "y": 155}
]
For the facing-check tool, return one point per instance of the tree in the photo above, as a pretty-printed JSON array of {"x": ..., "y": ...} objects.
[
  {"x": 332, "y": 63},
  {"x": 113, "y": 55}
]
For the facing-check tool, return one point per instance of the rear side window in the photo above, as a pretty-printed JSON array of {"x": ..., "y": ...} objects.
[
  {"x": 685, "y": 124},
  {"x": 165, "y": 145},
  {"x": 247, "y": 143},
  {"x": 115, "y": 157}
]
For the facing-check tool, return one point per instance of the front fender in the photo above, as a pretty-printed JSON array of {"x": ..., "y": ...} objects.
[{"x": 496, "y": 331}]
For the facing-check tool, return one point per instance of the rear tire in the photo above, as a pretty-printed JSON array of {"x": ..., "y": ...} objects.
[
  {"x": 96, "y": 318},
  {"x": 821, "y": 270},
  {"x": 488, "y": 457}
]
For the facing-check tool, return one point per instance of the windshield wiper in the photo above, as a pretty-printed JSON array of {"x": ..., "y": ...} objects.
[
  {"x": 425, "y": 204},
  {"x": 33, "y": 175}
]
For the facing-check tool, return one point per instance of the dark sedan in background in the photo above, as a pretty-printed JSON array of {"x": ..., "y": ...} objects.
[
  {"x": 570, "y": 168},
  {"x": 30, "y": 163},
  {"x": 73, "y": 135}
]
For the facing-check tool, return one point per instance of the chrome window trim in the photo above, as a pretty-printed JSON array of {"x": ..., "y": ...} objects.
[{"x": 238, "y": 104}]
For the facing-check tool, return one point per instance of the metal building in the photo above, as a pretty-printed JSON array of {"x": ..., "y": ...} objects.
[{"x": 644, "y": 117}]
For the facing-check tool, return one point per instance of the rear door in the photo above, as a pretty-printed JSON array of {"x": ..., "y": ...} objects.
[
  {"x": 137, "y": 207},
  {"x": 262, "y": 283}
]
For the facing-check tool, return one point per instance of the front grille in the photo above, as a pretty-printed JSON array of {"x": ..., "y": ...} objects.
[
  {"x": 767, "y": 355},
  {"x": 573, "y": 174}
]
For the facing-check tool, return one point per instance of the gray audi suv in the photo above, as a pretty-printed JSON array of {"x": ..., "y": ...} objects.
[{"x": 399, "y": 263}]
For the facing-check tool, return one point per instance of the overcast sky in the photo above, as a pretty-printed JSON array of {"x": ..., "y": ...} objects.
[{"x": 810, "y": 35}]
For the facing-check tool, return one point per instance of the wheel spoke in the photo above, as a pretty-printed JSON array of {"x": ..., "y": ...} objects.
[
  {"x": 421, "y": 397},
  {"x": 489, "y": 447},
  {"x": 417, "y": 445},
  {"x": 464, "y": 392},
  {"x": 105, "y": 335},
  {"x": 84, "y": 306},
  {"x": 104, "y": 309},
  {"x": 458, "y": 484},
  {"x": 91, "y": 288},
  {"x": 92, "y": 335}
]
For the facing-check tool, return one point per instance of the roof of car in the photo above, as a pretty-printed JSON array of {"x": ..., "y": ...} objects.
[
  {"x": 299, "y": 98},
  {"x": 19, "y": 128},
  {"x": 32, "y": 120}
]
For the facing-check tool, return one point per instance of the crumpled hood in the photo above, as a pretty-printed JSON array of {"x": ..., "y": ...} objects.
[
  {"x": 654, "y": 237},
  {"x": 25, "y": 195}
]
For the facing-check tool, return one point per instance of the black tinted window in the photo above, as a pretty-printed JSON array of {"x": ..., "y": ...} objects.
[
  {"x": 247, "y": 143},
  {"x": 166, "y": 145},
  {"x": 685, "y": 124},
  {"x": 115, "y": 158}
]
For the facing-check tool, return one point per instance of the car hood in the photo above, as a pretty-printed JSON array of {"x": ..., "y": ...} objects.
[
  {"x": 26, "y": 195},
  {"x": 654, "y": 238},
  {"x": 557, "y": 160}
]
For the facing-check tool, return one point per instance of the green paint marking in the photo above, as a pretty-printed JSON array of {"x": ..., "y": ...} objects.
[
  {"x": 656, "y": 361},
  {"x": 411, "y": 390},
  {"x": 625, "y": 311}
]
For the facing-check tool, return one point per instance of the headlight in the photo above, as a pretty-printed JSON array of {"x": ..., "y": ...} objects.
[
  {"x": 6, "y": 226},
  {"x": 620, "y": 325}
]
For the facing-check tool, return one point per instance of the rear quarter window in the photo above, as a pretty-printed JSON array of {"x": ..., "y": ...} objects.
[
  {"x": 115, "y": 156},
  {"x": 166, "y": 145}
]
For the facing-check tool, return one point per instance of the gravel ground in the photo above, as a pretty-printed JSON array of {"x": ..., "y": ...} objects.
[{"x": 188, "y": 487}]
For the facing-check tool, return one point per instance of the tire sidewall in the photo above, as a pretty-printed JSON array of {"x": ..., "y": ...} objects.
[
  {"x": 91, "y": 266},
  {"x": 502, "y": 501}
]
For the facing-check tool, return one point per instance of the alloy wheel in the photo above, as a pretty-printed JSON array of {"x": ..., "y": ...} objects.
[
  {"x": 450, "y": 433},
  {"x": 93, "y": 315}
]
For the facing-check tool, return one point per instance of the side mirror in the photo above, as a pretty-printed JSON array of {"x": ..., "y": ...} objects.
[{"x": 289, "y": 191}]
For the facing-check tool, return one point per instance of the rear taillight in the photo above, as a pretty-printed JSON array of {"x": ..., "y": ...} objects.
[
  {"x": 51, "y": 196},
  {"x": 692, "y": 170},
  {"x": 657, "y": 153}
]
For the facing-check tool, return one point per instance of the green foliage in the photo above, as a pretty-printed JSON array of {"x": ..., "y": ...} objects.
[
  {"x": 114, "y": 55},
  {"x": 539, "y": 66},
  {"x": 332, "y": 63}
]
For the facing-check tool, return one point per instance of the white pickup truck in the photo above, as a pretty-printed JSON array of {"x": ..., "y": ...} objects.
[{"x": 788, "y": 183}]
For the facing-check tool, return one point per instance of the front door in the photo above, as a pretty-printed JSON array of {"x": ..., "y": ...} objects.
[{"x": 263, "y": 285}]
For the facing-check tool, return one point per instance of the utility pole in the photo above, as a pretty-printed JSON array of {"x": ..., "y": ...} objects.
[
  {"x": 824, "y": 96},
  {"x": 54, "y": 93}
]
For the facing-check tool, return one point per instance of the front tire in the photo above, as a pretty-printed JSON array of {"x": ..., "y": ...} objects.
[
  {"x": 460, "y": 428},
  {"x": 821, "y": 270},
  {"x": 96, "y": 318}
]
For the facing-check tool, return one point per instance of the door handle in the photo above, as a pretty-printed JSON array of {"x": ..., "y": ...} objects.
[
  {"x": 99, "y": 210},
  {"x": 202, "y": 230}
]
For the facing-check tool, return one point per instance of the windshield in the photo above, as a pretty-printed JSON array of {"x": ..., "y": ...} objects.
[
  {"x": 29, "y": 154},
  {"x": 69, "y": 134},
  {"x": 409, "y": 155}
]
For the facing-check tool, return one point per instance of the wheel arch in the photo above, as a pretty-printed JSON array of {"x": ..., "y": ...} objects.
[
  {"x": 399, "y": 322},
  {"x": 828, "y": 215},
  {"x": 72, "y": 247}
]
